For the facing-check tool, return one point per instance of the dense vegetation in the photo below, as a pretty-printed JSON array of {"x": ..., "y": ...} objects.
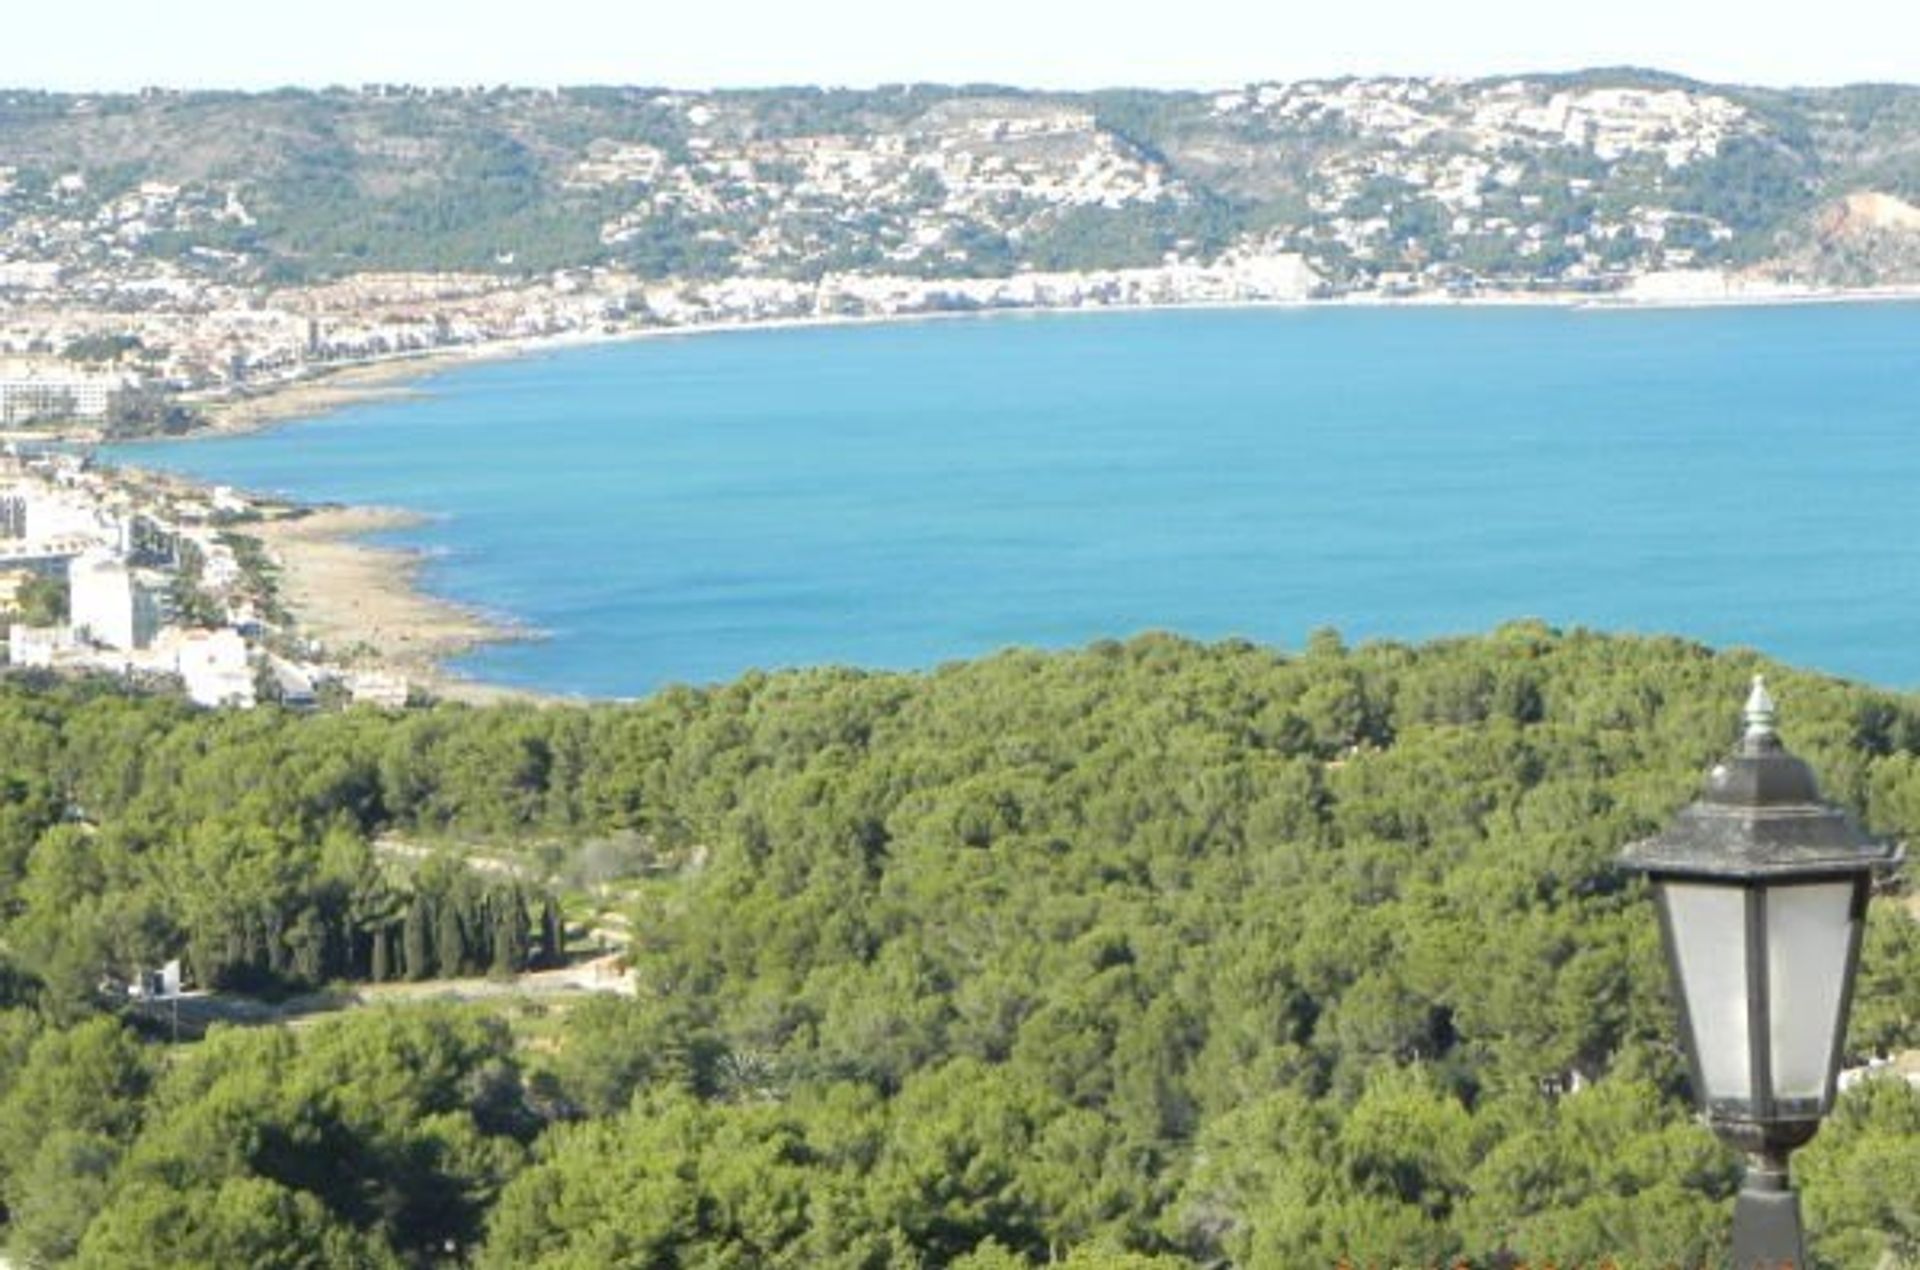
[{"x": 1152, "y": 954}]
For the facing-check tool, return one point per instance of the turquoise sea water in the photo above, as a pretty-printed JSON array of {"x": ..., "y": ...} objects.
[{"x": 683, "y": 509}]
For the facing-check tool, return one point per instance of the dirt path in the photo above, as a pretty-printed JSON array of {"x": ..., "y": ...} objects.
[{"x": 200, "y": 1010}]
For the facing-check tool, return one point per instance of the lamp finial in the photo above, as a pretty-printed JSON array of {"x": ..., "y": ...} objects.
[{"x": 1760, "y": 711}]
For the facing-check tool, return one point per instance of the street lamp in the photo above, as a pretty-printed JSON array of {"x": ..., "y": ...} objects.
[{"x": 1762, "y": 892}]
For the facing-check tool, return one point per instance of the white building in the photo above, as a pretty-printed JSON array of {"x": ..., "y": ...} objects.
[
  {"x": 1905, "y": 1064},
  {"x": 214, "y": 666},
  {"x": 39, "y": 518},
  {"x": 108, "y": 604},
  {"x": 40, "y": 647},
  {"x": 376, "y": 688},
  {"x": 30, "y": 394}
]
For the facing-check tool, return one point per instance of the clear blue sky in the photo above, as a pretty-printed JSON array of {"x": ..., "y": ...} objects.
[{"x": 102, "y": 44}]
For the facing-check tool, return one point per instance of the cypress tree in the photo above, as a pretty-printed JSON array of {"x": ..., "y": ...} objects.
[
  {"x": 449, "y": 937},
  {"x": 381, "y": 969},
  {"x": 509, "y": 934},
  {"x": 552, "y": 932},
  {"x": 306, "y": 947},
  {"x": 416, "y": 941},
  {"x": 279, "y": 953},
  {"x": 339, "y": 944},
  {"x": 252, "y": 961},
  {"x": 482, "y": 912}
]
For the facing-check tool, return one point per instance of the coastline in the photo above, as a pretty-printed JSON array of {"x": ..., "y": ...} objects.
[
  {"x": 333, "y": 388},
  {"x": 393, "y": 376},
  {"x": 363, "y": 602}
]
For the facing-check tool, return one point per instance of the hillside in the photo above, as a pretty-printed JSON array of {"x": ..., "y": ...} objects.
[
  {"x": 1169, "y": 954},
  {"x": 1564, "y": 180}
]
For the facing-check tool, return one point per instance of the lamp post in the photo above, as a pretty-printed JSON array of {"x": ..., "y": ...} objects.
[{"x": 1762, "y": 894}]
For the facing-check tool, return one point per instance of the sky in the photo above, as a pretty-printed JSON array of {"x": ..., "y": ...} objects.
[{"x": 81, "y": 45}]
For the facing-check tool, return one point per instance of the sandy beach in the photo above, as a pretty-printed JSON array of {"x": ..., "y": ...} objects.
[{"x": 361, "y": 601}]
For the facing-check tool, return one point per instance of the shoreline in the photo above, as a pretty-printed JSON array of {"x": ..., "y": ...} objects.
[
  {"x": 365, "y": 599},
  {"x": 397, "y": 376},
  {"x": 331, "y": 389},
  {"x": 361, "y": 602}
]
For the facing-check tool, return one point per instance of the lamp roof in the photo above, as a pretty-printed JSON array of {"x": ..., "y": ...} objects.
[{"x": 1760, "y": 816}]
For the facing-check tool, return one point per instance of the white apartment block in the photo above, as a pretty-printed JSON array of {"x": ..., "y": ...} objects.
[
  {"x": 31, "y": 395},
  {"x": 109, "y": 605}
]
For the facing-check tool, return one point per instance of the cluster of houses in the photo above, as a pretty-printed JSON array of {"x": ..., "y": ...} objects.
[
  {"x": 1515, "y": 163},
  {"x": 127, "y": 560}
]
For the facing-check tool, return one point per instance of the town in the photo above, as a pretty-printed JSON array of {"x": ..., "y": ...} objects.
[
  {"x": 181, "y": 281},
  {"x": 141, "y": 579}
]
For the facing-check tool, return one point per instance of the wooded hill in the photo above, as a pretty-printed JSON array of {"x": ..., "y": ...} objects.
[{"x": 1155, "y": 952}]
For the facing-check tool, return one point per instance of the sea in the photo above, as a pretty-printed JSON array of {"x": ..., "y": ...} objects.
[{"x": 683, "y": 509}]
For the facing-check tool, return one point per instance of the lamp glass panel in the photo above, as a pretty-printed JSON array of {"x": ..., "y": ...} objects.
[
  {"x": 1809, "y": 929},
  {"x": 1709, "y": 931}
]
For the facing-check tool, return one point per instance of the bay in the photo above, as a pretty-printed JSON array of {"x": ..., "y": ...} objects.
[{"x": 683, "y": 509}]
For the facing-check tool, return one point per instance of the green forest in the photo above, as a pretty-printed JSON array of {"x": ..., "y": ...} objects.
[{"x": 1149, "y": 954}]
